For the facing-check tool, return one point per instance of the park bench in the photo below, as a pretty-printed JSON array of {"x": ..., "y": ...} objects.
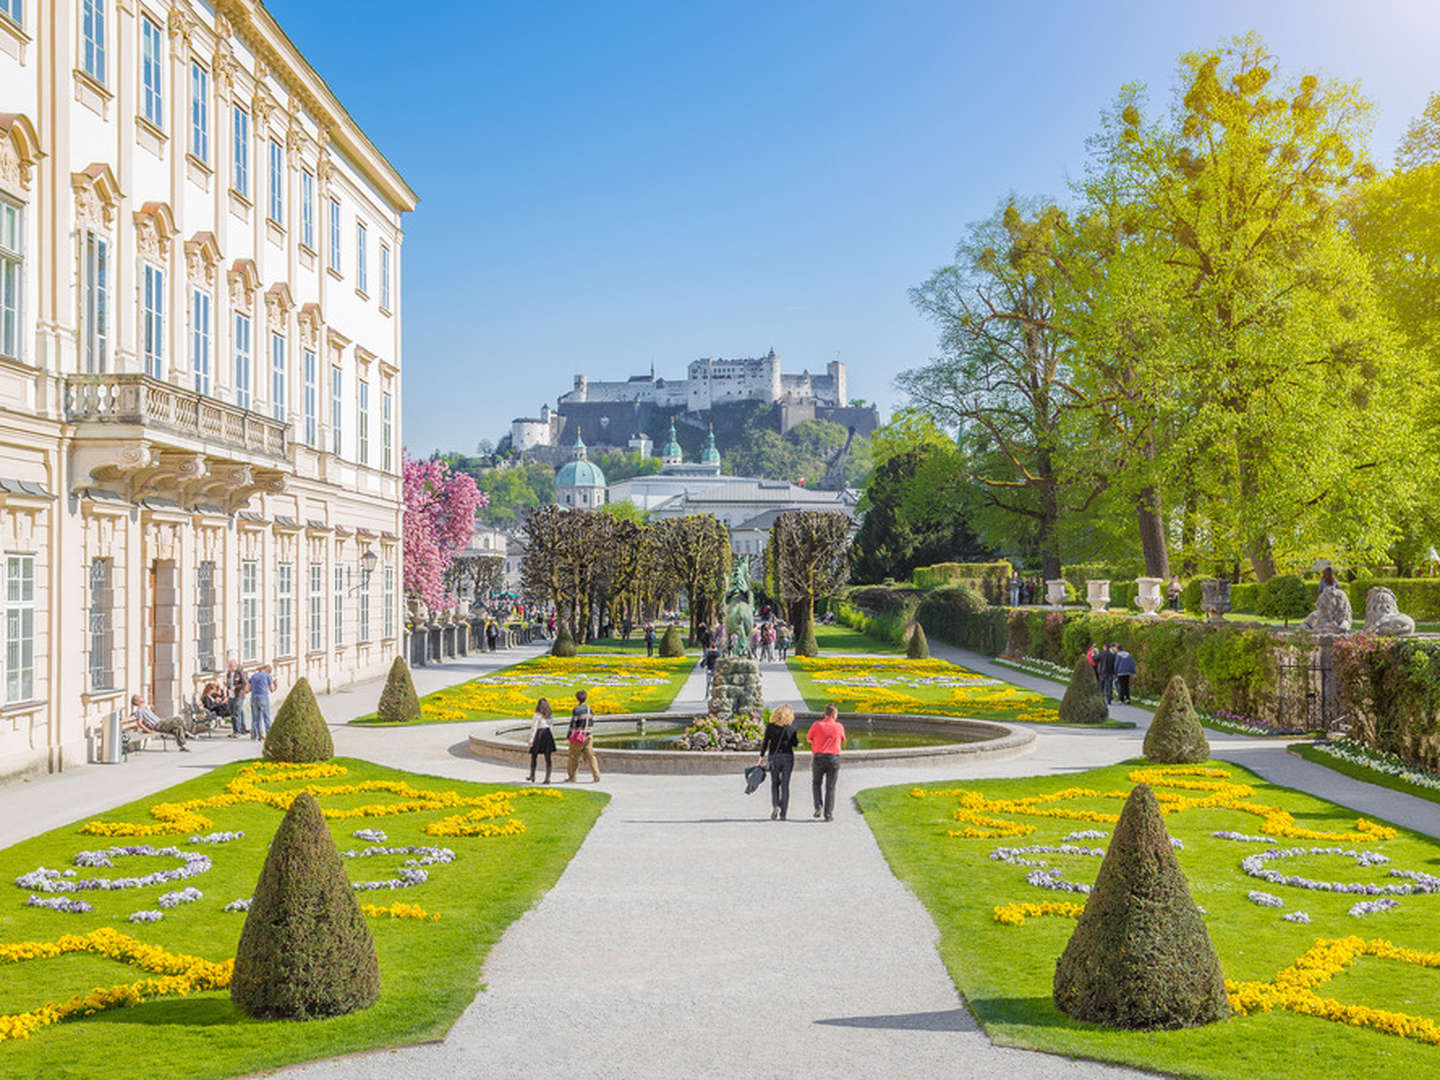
[{"x": 134, "y": 737}]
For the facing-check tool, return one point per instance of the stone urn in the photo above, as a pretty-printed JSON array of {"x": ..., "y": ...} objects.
[
  {"x": 1150, "y": 597},
  {"x": 1055, "y": 592},
  {"x": 419, "y": 613},
  {"x": 1098, "y": 595},
  {"x": 1215, "y": 598},
  {"x": 462, "y": 608}
]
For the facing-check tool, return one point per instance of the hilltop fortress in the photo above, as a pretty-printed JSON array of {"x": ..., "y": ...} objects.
[{"x": 616, "y": 413}]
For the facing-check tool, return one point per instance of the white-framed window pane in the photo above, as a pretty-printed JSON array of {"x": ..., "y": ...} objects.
[
  {"x": 102, "y": 641},
  {"x": 152, "y": 321},
  {"x": 307, "y": 208},
  {"x": 363, "y": 422},
  {"x": 312, "y": 393},
  {"x": 205, "y": 617},
  {"x": 97, "y": 302},
  {"x": 389, "y": 600},
  {"x": 277, "y": 183},
  {"x": 337, "y": 416},
  {"x": 361, "y": 270},
  {"x": 152, "y": 72},
  {"x": 278, "y": 376},
  {"x": 335, "y": 235},
  {"x": 199, "y": 111},
  {"x": 249, "y": 610},
  {"x": 19, "y": 627},
  {"x": 92, "y": 36},
  {"x": 384, "y": 277},
  {"x": 200, "y": 339},
  {"x": 317, "y": 606},
  {"x": 285, "y": 609},
  {"x": 14, "y": 10},
  {"x": 364, "y": 619},
  {"x": 387, "y": 430},
  {"x": 242, "y": 360},
  {"x": 338, "y": 621},
  {"x": 241, "y": 152},
  {"x": 12, "y": 278}
]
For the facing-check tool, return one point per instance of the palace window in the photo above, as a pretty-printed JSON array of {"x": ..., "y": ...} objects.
[
  {"x": 312, "y": 392},
  {"x": 337, "y": 387},
  {"x": 384, "y": 277},
  {"x": 200, "y": 339},
  {"x": 102, "y": 638},
  {"x": 12, "y": 278},
  {"x": 277, "y": 183},
  {"x": 339, "y": 619},
  {"x": 317, "y": 605},
  {"x": 97, "y": 302},
  {"x": 387, "y": 430},
  {"x": 335, "y": 235},
  {"x": 152, "y": 72},
  {"x": 250, "y": 610},
  {"x": 285, "y": 609},
  {"x": 362, "y": 277},
  {"x": 242, "y": 360},
  {"x": 152, "y": 321},
  {"x": 14, "y": 10},
  {"x": 19, "y": 627},
  {"x": 199, "y": 111},
  {"x": 241, "y": 183},
  {"x": 92, "y": 38},
  {"x": 307, "y": 208},
  {"x": 205, "y": 617},
  {"x": 389, "y": 600},
  {"x": 277, "y": 375},
  {"x": 363, "y": 422},
  {"x": 364, "y": 607}
]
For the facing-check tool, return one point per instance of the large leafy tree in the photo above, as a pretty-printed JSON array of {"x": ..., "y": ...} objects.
[
  {"x": 808, "y": 551},
  {"x": 696, "y": 548},
  {"x": 440, "y": 508}
]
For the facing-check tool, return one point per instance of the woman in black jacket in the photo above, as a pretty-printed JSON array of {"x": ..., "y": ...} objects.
[{"x": 779, "y": 743}]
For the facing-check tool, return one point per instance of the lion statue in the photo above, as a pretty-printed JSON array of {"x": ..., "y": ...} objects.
[
  {"x": 1331, "y": 614},
  {"x": 1382, "y": 614}
]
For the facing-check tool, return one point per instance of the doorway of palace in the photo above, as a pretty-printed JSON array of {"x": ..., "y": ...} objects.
[{"x": 164, "y": 637}]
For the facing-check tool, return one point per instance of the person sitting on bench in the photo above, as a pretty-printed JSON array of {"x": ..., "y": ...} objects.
[{"x": 149, "y": 720}]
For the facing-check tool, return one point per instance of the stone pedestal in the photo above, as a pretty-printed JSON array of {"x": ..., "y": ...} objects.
[
  {"x": 1098, "y": 595},
  {"x": 1149, "y": 597},
  {"x": 735, "y": 690},
  {"x": 1215, "y": 598},
  {"x": 1055, "y": 592}
]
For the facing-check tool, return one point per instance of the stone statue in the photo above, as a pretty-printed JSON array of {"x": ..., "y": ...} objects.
[
  {"x": 1382, "y": 614},
  {"x": 739, "y": 609},
  {"x": 1331, "y": 614}
]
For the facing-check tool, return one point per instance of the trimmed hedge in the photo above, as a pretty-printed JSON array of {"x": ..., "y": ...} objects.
[
  {"x": 992, "y": 580},
  {"x": 672, "y": 645},
  {"x": 917, "y": 648},
  {"x": 1125, "y": 570},
  {"x": 1083, "y": 702},
  {"x": 398, "y": 701},
  {"x": 299, "y": 732},
  {"x": 1418, "y": 597},
  {"x": 1175, "y": 736}
]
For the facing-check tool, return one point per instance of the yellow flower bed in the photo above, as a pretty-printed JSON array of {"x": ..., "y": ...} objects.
[
  {"x": 176, "y": 974},
  {"x": 612, "y": 685},
  {"x": 249, "y": 786},
  {"x": 876, "y": 684},
  {"x": 399, "y": 910},
  {"x": 1016, "y": 914},
  {"x": 1293, "y": 988},
  {"x": 977, "y": 812}
]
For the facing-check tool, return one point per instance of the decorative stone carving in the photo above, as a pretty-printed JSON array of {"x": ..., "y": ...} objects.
[
  {"x": 1382, "y": 614},
  {"x": 96, "y": 196},
  {"x": 19, "y": 151},
  {"x": 154, "y": 228},
  {"x": 202, "y": 256},
  {"x": 1149, "y": 597},
  {"x": 1055, "y": 592},
  {"x": 310, "y": 320},
  {"x": 11, "y": 174},
  {"x": 223, "y": 67},
  {"x": 1098, "y": 595},
  {"x": 223, "y": 29},
  {"x": 278, "y": 303},
  {"x": 180, "y": 22},
  {"x": 1332, "y": 613},
  {"x": 244, "y": 279},
  {"x": 1215, "y": 598}
]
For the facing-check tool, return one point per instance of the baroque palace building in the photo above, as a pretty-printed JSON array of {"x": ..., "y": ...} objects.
[{"x": 199, "y": 367}]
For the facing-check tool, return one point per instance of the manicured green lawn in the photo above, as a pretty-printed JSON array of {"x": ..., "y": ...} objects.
[
  {"x": 429, "y": 969},
  {"x": 839, "y": 638},
  {"x": 635, "y": 646},
  {"x": 894, "y": 684},
  {"x": 1363, "y": 772},
  {"x": 1005, "y": 971},
  {"x": 614, "y": 683}
]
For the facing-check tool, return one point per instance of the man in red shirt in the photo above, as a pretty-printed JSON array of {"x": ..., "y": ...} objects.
[{"x": 826, "y": 736}]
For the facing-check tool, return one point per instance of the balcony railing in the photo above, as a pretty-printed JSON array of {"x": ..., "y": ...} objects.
[{"x": 132, "y": 398}]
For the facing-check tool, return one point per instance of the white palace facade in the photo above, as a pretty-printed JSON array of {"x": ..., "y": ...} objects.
[{"x": 199, "y": 367}]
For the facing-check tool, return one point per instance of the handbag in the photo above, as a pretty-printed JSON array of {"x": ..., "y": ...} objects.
[
  {"x": 754, "y": 777},
  {"x": 578, "y": 736}
]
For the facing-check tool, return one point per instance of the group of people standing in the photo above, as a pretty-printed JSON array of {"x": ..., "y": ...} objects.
[
  {"x": 226, "y": 703},
  {"x": 777, "y": 753},
  {"x": 1025, "y": 590},
  {"x": 580, "y": 736},
  {"x": 1114, "y": 668}
]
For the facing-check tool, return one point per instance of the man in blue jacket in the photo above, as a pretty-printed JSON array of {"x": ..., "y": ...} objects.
[{"x": 1124, "y": 668}]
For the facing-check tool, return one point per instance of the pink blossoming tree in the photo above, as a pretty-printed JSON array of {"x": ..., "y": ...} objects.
[{"x": 440, "y": 510}]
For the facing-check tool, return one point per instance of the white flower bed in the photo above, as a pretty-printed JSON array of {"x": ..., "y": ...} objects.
[{"x": 1359, "y": 754}]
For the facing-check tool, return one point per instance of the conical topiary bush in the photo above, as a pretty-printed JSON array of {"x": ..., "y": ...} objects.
[
  {"x": 1176, "y": 736},
  {"x": 917, "y": 648},
  {"x": 398, "y": 702},
  {"x": 564, "y": 642},
  {"x": 305, "y": 951},
  {"x": 1083, "y": 702},
  {"x": 672, "y": 644},
  {"x": 1140, "y": 957},
  {"x": 299, "y": 732}
]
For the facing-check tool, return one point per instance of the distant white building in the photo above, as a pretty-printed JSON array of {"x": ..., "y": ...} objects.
[
  {"x": 714, "y": 381},
  {"x": 580, "y": 484}
]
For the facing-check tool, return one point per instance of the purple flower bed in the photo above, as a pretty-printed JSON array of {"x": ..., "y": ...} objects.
[
  {"x": 1052, "y": 878},
  {"x": 1086, "y": 834},
  {"x": 146, "y": 916},
  {"x": 59, "y": 903},
  {"x": 411, "y": 873},
  {"x": 217, "y": 838},
  {"x": 187, "y": 895},
  {"x": 44, "y": 880},
  {"x": 1242, "y": 838},
  {"x": 1297, "y": 917},
  {"x": 1265, "y": 899},
  {"x": 370, "y": 836},
  {"x": 1373, "y": 907},
  {"x": 1254, "y": 866},
  {"x": 238, "y": 905}
]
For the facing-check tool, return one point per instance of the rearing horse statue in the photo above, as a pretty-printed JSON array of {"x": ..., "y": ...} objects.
[{"x": 739, "y": 609}]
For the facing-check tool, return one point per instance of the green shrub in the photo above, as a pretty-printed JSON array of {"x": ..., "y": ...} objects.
[
  {"x": 1017, "y": 637},
  {"x": 1077, "y": 574},
  {"x": 1284, "y": 597},
  {"x": 672, "y": 644},
  {"x": 1191, "y": 596},
  {"x": 299, "y": 731},
  {"x": 399, "y": 703},
  {"x": 888, "y": 628},
  {"x": 1176, "y": 736},
  {"x": 305, "y": 951},
  {"x": 1083, "y": 702},
  {"x": 564, "y": 644},
  {"x": 917, "y": 648},
  {"x": 1140, "y": 957},
  {"x": 1418, "y": 597},
  {"x": 991, "y": 580},
  {"x": 958, "y": 614},
  {"x": 1245, "y": 598},
  {"x": 1390, "y": 690},
  {"x": 1123, "y": 595}
]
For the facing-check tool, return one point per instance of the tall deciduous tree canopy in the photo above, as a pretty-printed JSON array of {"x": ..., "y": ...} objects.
[
  {"x": 696, "y": 549},
  {"x": 808, "y": 552},
  {"x": 440, "y": 510}
]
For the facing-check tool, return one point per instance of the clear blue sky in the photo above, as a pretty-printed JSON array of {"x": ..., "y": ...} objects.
[{"x": 607, "y": 185}]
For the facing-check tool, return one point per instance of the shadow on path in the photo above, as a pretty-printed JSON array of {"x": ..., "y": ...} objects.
[{"x": 944, "y": 1020}]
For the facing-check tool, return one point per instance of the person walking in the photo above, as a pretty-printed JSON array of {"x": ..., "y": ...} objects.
[
  {"x": 767, "y": 642},
  {"x": 1173, "y": 592},
  {"x": 492, "y": 634},
  {"x": 1092, "y": 654},
  {"x": 649, "y": 639},
  {"x": 708, "y": 662},
  {"x": 782, "y": 640},
  {"x": 1124, "y": 669},
  {"x": 778, "y": 745},
  {"x": 150, "y": 720},
  {"x": 542, "y": 738},
  {"x": 262, "y": 685},
  {"x": 826, "y": 736},
  {"x": 1105, "y": 670},
  {"x": 581, "y": 737},
  {"x": 237, "y": 685},
  {"x": 1014, "y": 590}
]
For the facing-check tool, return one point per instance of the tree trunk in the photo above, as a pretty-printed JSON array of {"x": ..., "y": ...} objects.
[
  {"x": 1152, "y": 533},
  {"x": 1048, "y": 534}
]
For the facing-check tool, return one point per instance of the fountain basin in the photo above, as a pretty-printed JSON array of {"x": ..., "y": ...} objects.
[{"x": 939, "y": 740}]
